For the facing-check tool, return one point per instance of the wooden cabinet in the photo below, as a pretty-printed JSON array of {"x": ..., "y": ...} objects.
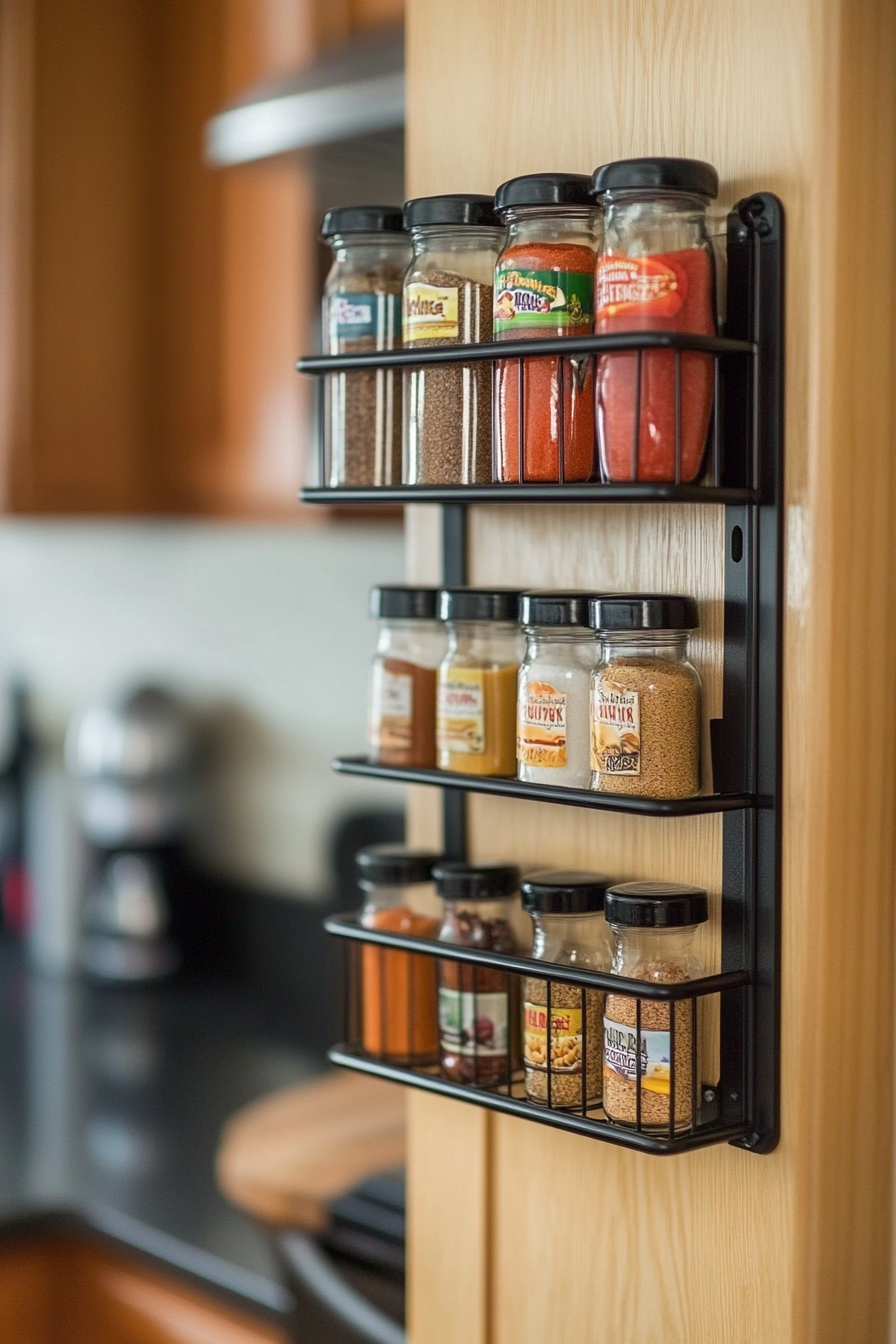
[
  {"x": 151, "y": 308},
  {"x": 63, "y": 1290},
  {"x": 519, "y": 1233}
]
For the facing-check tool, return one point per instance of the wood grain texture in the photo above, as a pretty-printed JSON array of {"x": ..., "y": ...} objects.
[
  {"x": 717, "y": 1247},
  {"x": 285, "y": 1158}
]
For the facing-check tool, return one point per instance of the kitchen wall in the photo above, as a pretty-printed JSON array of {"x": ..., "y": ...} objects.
[{"x": 264, "y": 628}]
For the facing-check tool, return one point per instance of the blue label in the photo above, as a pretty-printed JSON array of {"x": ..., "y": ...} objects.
[{"x": 355, "y": 316}]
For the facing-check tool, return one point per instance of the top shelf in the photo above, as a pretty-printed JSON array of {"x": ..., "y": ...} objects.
[{"x": 584, "y": 492}]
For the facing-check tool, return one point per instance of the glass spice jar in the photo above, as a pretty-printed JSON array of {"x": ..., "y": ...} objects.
[
  {"x": 544, "y": 285},
  {"x": 398, "y": 989},
  {"x": 477, "y": 1004},
  {"x": 655, "y": 272},
  {"x": 361, "y": 313},
  {"x": 447, "y": 300},
  {"x": 554, "y": 700},
  {"x": 645, "y": 697},
  {"x": 410, "y": 647},
  {"x": 654, "y": 925},
  {"x": 477, "y": 683},
  {"x": 570, "y": 930}
]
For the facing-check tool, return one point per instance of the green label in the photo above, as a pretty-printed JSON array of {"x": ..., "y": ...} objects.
[{"x": 526, "y": 299}]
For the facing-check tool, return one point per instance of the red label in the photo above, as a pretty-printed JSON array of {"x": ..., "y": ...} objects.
[{"x": 628, "y": 286}]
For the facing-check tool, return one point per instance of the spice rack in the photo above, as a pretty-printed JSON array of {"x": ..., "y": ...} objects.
[{"x": 745, "y": 477}]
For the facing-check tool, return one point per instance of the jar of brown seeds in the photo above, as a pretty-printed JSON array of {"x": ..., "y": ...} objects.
[
  {"x": 651, "y": 1048},
  {"x": 448, "y": 301},
  {"x": 562, "y": 1024},
  {"x": 362, "y": 314},
  {"x": 645, "y": 697}
]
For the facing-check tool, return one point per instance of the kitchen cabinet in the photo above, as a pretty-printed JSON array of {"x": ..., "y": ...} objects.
[
  {"x": 552, "y": 1236},
  {"x": 151, "y": 307},
  {"x": 70, "y": 1290}
]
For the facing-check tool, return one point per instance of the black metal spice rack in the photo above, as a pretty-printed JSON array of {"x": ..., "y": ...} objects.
[{"x": 745, "y": 476}]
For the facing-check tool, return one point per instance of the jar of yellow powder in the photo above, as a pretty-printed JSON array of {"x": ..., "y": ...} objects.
[{"x": 476, "y": 718}]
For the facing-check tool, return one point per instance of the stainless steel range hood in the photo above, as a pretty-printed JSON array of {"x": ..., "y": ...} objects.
[{"x": 352, "y": 91}]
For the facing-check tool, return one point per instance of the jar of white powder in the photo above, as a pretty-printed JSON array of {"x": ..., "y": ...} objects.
[{"x": 553, "y": 705}]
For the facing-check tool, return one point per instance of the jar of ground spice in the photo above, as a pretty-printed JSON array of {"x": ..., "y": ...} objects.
[
  {"x": 448, "y": 301},
  {"x": 655, "y": 272},
  {"x": 654, "y": 925},
  {"x": 569, "y": 929},
  {"x": 544, "y": 285},
  {"x": 398, "y": 989},
  {"x": 477, "y": 1004},
  {"x": 477, "y": 682},
  {"x": 554, "y": 702},
  {"x": 645, "y": 697},
  {"x": 410, "y": 647},
  {"x": 361, "y": 313}
]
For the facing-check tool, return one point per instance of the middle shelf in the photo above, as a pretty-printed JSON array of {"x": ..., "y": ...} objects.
[{"x": 548, "y": 793}]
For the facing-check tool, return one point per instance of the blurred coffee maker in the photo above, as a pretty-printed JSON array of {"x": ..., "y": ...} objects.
[{"x": 134, "y": 762}]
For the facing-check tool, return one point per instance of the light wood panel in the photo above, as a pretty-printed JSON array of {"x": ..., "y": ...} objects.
[{"x": 718, "y": 1247}]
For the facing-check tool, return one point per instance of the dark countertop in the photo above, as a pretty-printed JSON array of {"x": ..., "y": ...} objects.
[{"x": 111, "y": 1105}]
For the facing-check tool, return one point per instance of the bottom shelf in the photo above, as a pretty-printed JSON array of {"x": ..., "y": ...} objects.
[{"x": 594, "y": 1124}]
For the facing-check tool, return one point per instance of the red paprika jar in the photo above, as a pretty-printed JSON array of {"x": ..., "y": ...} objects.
[
  {"x": 544, "y": 286},
  {"x": 655, "y": 272}
]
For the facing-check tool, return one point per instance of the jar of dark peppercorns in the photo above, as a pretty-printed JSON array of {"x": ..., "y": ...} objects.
[{"x": 477, "y": 1004}]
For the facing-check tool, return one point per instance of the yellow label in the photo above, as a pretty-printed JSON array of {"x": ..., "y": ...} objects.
[
  {"x": 615, "y": 728},
  {"x": 429, "y": 313},
  {"x": 541, "y": 725},
  {"x": 566, "y": 1038},
  {"x": 460, "y": 726}
]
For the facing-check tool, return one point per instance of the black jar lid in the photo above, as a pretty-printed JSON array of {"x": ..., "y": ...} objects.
[
  {"x": 692, "y": 176},
  {"x": 655, "y": 905},
  {"x": 544, "y": 189},
  {"x": 457, "y": 881},
  {"x": 562, "y": 609},
  {"x": 562, "y": 892},
  {"x": 643, "y": 611},
  {"x": 394, "y": 865},
  {"x": 479, "y": 604},
  {"x": 457, "y": 209},
  {"x": 398, "y": 602},
  {"x": 362, "y": 219}
]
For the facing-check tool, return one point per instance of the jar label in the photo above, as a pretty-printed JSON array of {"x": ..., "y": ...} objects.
[
  {"x": 621, "y": 1055},
  {"x": 566, "y": 1038},
  {"x": 541, "y": 725},
  {"x": 542, "y": 299},
  {"x": 461, "y": 711},
  {"x": 615, "y": 729},
  {"x": 352, "y": 317},
  {"x": 645, "y": 286},
  {"x": 472, "y": 1024},
  {"x": 429, "y": 313},
  {"x": 391, "y": 710}
]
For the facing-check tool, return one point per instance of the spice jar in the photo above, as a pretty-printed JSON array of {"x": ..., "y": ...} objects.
[
  {"x": 554, "y": 702},
  {"x": 476, "y": 1003},
  {"x": 477, "y": 684},
  {"x": 448, "y": 301},
  {"x": 544, "y": 284},
  {"x": 655, "y": 272},
  {"x": 645, "y": 697},
  {"x": 398, "y": 989},
  {"x": 411, "y": 644},
  {"x": 569, "y": 929},
  {"x": 653, "y": 924},
  {"x": 362, "y": 312}
]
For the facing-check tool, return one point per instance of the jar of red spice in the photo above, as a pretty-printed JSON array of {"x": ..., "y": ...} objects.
[
  {"x": 398, "y": 989},
  {"x": 544, "y": 285},
  {"x": 655, "y": 272}
]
